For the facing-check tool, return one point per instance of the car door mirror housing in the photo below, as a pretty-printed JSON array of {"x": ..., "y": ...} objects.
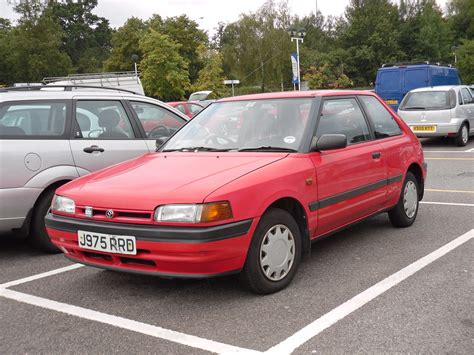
[
  {"x": 160, "y": 141},
  {"x": 330, "y": 141}
]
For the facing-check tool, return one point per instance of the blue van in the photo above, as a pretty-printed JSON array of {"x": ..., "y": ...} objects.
[{"x": 394, "y": 81}]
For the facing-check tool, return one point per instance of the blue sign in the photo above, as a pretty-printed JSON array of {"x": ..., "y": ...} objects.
[{"x": 294, "y": 66}]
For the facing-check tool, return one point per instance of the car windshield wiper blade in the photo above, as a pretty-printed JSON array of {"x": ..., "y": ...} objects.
[
  {"x": 414, "y": 108},
  {"x": 198, "y": 149},
  {"x": 267, "y": 148}
]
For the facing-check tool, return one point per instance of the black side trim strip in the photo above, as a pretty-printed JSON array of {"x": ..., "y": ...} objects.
[
  {"x": 313, "y": 206},
  {"x": 153, "y": 273},
  {"x": 151, "y": 233}
]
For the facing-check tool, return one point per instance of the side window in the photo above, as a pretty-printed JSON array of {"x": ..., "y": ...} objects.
[
  {"x": 194, "y": 108},
  {"x": 343, "y": 116},
  {"x": 466, "y": 96},
  {"x": 181, "y": 108},
  {"x": 102, "y": 120},
  {"x": 384, "y": 123},
  {"x": 33, "y": 119},
  {"x": 157, "y": 121}
]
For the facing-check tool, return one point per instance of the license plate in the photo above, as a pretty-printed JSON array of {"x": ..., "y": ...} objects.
[
  {"x": 423, "y": 128},
  {"x": 119, "y": 244},
  {"x": 391, "y": 102}
]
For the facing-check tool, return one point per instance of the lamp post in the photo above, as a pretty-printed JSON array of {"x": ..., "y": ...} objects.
[
  {"x": 297, "y": 35},
  {"x": 135, "y": 59}
]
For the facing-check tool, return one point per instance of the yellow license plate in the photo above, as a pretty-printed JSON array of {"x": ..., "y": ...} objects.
[
  {"x": 391, "y": 102},
  {"x": 423, "y": 128}
]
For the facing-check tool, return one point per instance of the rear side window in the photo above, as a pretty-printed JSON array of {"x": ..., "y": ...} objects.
[
  {"x": 384, "y": 123},
  {"x": 343, "y": 116},
  {"x": 27, "y": 120},
  {"x": 426, "y": 100},
  {"x": 466, "y": 96}
]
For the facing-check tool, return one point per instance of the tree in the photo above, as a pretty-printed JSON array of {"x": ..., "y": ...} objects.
[
  {"x": 462, "y": 18},
  {"x": 5, "y": 51},
  {"x": 465, "y": 64},
  {"x": 125, "y": 43},
  {"x": 86, "y": 37},
  {"x": 164, "y": 71},
  {"x": 425, "y": 34},
  {"x": 211, "y": 77},
  {"x": 35, "y": 45},
  {"x": 184, "y": 31},
  {"x": 370, "y": 34}
]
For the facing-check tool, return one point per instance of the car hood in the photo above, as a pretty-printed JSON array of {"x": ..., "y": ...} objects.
[{"x": 160, "y": 178}]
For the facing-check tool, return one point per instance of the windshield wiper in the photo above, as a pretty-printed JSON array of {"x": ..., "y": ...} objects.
[
  {"x": 268, "y": 148},
  {"x": 198, "y": 149},
  {"x": 414, "y": 108}
]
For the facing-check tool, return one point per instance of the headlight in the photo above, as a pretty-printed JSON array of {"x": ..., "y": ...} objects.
[
  {"x": 63, "y": 204},
  {"x": 193, "y": 213}
]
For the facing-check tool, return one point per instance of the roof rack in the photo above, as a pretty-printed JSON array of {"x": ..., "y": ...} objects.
[
  {"x": 85, "y": 76},
  {"x": 397, "y": 64},
  {"x": 65, "y": 87}
]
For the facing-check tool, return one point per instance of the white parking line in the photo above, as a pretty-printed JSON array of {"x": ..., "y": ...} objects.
[
  {"x": 447, "y": 203},
  {"x": 288, "y": 345},
  {"x": 124, "y": 323},
  {"x": 40, "y": 276}
]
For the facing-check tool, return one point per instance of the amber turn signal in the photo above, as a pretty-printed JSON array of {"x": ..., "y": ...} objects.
[{"x": 215, "y": 211}]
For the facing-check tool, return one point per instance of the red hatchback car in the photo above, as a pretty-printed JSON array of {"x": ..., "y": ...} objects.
[{"x": 222, "y": 197}]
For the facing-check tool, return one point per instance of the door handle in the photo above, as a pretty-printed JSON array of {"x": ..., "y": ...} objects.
[
  {"x": 376, "y": 155},
  {"x": 93, "y": 148}
]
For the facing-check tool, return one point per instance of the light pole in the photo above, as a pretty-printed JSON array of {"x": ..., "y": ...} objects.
[
  {"x": 297, "y": 35},
  {"x": 135, "y": 59}
]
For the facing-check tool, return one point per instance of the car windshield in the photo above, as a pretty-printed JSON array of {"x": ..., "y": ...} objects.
[
  {"x": 426, "y": 100},
  {"x": 260, "y": 125}
]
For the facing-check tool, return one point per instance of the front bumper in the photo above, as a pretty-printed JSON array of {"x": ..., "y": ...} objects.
[{"x": 161, "y": 250}]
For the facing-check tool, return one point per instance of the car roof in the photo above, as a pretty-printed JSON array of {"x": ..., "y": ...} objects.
[
  {"x": 51, "y": 93},
  {"x": 297, "y": 94},
  {"x": 438, "y": 88}
]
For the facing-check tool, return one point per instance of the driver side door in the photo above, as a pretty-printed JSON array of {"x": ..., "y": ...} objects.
[{"x": 156, "y": 121}]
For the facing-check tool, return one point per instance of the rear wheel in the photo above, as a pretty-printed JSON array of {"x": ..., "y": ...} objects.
[
  {"x": 463, "y": 136},
  {"x": 274, "y": 254},
  {"x": 404, "y": 213},
  {"x": 38, "y": 236}
]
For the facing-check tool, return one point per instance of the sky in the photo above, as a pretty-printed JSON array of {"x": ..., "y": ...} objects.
[{"x": 207, "y": 13}]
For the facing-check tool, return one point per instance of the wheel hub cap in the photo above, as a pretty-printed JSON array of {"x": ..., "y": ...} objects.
[
  {"x": 410, "y": 199},
  {"x": 464, "y": 134},
  {"x": 277, "y": 252}
]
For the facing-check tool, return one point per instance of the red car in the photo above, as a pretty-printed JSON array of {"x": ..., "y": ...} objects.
[
  {"x": 190, "y": 109},
  {"x": 247, "y": 198}
]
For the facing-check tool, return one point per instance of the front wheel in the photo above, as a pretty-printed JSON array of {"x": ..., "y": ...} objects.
[
  {"x": 274, "y": 254},
  {"x": 38, "y": 236},
  {"x": 463, "y": 136},
  {"x": 406, "y": 210}
]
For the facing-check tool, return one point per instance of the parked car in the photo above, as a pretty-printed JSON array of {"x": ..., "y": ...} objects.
[
  {"x": 394, "y": 81},
  {"x": 49, "y": 136},
  {"x": 441, "y": 111},
  {"x": 190, "y": 109},
  {"x": 300, "y": 166}
]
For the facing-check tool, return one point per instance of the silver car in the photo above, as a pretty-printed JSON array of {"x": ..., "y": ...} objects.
[
  {"x": 50, "y": 136},
  {"x": 440, "y": 111}
]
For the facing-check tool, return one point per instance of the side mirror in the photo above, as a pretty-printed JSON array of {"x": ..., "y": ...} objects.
[{"x": 330, "y": 141}]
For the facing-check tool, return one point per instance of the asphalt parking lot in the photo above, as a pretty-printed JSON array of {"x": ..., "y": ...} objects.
[{"x": 369, "y": 289}]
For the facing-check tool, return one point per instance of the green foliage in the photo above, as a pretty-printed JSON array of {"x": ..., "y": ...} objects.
[
  {"x": 35, "y": 45},
  {"x": 125, "y": 43},
  {"x": 86, "y": 38},
  {"x": 325, "y": 77},
  {"x": 370, "y": 34},
  {"x": 465, "y": 63},
  {"x": 164, "y": 71},
  {"x": 211, "y": 77},
  {"x": 462, "y": 18},
  {"x": 425, "y": 34}
]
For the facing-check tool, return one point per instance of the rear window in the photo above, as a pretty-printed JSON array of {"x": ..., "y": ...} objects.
[
  {"x": 33, "y": 120},
  {"x": 390, "y": 81},
  {"x": 427, "y": 100}
]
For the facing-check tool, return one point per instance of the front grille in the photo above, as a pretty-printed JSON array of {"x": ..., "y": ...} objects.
[{"x": 118, "y": 215}]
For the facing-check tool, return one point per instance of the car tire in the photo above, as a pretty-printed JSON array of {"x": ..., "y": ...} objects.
[
  {"x": 277, "y": 235},
  {"x": 406, "y": 210},
  {"x": 463, "y": 136},
  {"x": 38, "y": 235}
]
